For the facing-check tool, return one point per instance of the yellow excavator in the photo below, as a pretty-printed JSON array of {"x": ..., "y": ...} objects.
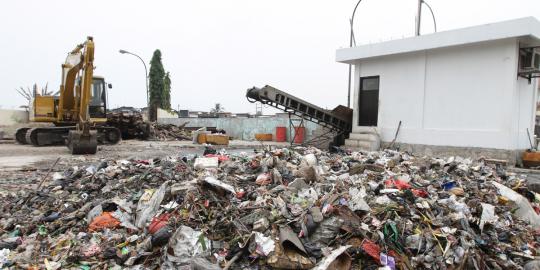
[{"x": 79, "y": 112}]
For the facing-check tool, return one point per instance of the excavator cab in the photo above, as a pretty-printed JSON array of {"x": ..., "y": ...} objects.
[{"x": 98, "y": 101}]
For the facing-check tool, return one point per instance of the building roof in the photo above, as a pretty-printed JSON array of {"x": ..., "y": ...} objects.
[{"x": 527, "y": 29}]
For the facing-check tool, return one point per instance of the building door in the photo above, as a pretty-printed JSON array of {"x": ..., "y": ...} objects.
[{"x": 368, "y": 103}]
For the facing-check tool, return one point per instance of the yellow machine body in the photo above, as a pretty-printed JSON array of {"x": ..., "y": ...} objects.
[
  {"x": 43, "y": 109},
  {"x": 79, "y": 111}
]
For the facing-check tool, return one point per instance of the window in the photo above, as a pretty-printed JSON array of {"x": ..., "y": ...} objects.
[
  {"x": 370, "y": 83},
  {"x": 97, "y": 106},
  {"x": 98, "y": 94}
]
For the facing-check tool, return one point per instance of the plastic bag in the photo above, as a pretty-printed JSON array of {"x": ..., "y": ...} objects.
[
  {"x": 337, "y": 259},
  {"x": 357, "y": 201},
  {"x": 105, "y": 220},
  {"x": 187, "y": 243},
  {"x": 147, "y": 209},
  {"x": 525, "y": 211}
]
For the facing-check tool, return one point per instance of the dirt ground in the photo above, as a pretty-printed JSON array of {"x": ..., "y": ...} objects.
[{"x": 23, "y": 166}]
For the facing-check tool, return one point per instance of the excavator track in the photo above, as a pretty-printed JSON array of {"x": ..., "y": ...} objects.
[
  {"x": 20, "y": 135},
  {"x": 47, "y": 136}
]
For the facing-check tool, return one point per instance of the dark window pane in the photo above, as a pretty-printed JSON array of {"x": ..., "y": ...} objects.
[
  {"x": 370, "y": 84},
  {"x": 97, "y": 107},
  {"x": 97, "y": 94}
]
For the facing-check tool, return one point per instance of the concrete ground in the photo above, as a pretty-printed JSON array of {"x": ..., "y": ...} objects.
[
  {"x": 15, "y": 156},
  {"x": 22, "y": 166}
]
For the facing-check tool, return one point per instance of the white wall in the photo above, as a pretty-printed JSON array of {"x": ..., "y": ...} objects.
[
  {"x": 161, "y": 113},
  {"x": 12, "y": 117},
  {"x": 459, "y": 96}
]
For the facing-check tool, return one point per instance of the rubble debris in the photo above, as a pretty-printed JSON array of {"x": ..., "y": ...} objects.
[
  {"x": 169, "y": 132},
  {"x": 130, "y": 123},
  {"x": 292, "y": 208}
]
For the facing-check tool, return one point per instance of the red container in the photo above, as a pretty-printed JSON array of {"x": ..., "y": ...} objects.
[
  {"x": 281, "y": 134},
  {"x": 299, "y": 134}
]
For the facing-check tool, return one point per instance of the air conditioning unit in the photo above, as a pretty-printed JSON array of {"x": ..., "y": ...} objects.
[{"x": 529, "y": 60}]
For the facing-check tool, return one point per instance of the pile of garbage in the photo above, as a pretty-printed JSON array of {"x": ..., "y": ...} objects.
[
  {"x": 298, "y": 208},
  {"x": 169, "y": 132},
  {"x": 130, "y": 123}
]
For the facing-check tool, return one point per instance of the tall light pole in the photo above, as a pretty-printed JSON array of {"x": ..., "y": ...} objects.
[
  {"x": 145, "y": 73},
  {"x": 418, "y": 18},
  {"x": 353, "y": 41},
  {"x": 350, "y": 45},
  {"x": 432, "y": 16}
]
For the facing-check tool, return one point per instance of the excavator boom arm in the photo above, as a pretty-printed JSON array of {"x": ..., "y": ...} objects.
[
  {"x": 86, "y": 80},
  {"x": 83, "y": 140},
  {"x": 74, "y": 98}
]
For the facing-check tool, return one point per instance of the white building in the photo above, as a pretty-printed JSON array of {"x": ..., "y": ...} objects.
[{"x": 455, "y": 88}]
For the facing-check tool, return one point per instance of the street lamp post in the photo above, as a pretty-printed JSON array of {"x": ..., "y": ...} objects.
[
  {"x": 353, "y": 40},
  {"x": 418, "y": 18},
  {"x": 145, "y": 73},
  {"x": 350, "y": 45}
]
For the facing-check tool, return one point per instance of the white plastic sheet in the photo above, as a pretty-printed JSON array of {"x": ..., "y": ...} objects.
[
  {"x": 488, "y": 215},
  {"x": 325, "y": 263},
  {"x": 357, "y": 201},
  {"x": 206, "y": 162},
  {"x": 147, "y": 209},
  {"x": 525, "y": 211},
  {"x": 4, "y": 254},
  {"x": 187, "y": 243},
  {"x": 213, "y": 181},
  {"x": 265, "y": 245}
]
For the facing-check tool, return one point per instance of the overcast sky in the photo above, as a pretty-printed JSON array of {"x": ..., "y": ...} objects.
[{"x": 216, "y": 49}]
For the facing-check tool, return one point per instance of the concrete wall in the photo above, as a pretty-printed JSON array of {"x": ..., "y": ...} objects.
[
  {"x": 12, "y": 117},
  {"x": 161, "y": 113},
  {"x": 465, "y": 96},
  {"x": 243, "y": 128}
]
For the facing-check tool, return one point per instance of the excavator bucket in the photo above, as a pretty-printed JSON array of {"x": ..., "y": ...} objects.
[{"x": 80, "y": 143}]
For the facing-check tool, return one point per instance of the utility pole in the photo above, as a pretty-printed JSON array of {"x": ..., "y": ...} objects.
[
  {"x": 418, "y": 17},
  {"x": 351, "y": 39},
  {"x": 350, "y": 71}
]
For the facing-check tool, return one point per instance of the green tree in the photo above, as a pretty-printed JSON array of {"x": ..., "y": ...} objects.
[
  {"x": 217, "y": 109},
  {"x": 157, "y": 87},
  {"x": 166, "y": 101}
]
